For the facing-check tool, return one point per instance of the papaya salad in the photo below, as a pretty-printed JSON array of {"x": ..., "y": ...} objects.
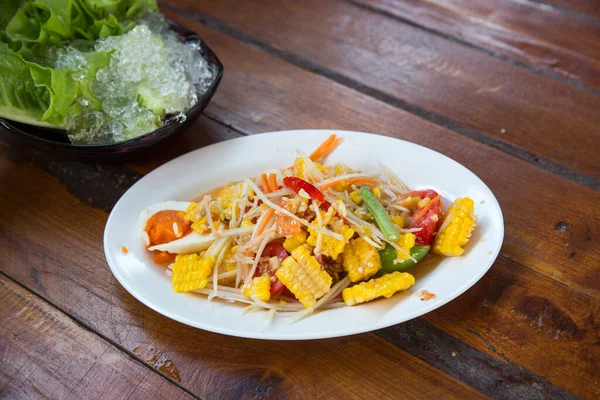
[{"x": 310, "y": 236}]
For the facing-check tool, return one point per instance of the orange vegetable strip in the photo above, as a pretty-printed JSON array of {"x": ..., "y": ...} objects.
[
  {"x": 333, "y": 146},
  {"x": 327, "y": 142},
  {"x": 273, "y": 182},
  {"x": 326, "y": 147},
  {"x": 364, "y": 181},
  {"x": 265, "y": 221},
  {"x": 421, "y": 213},
  {"x": 265, "y": 183}
]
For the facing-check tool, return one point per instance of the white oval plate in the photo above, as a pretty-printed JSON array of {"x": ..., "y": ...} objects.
[{"x": 192, "y": 174}]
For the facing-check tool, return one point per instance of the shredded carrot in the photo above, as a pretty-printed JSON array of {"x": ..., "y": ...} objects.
[
  {"x": 265, "y": 183},
  {"x": 421, "y": 213},
  {"x": 273, "y": 182},
  {"x": 124, "y": 250},
  {"x": 265, "y": 221},
  {"x": 365, "y": 181},
  {"x": 326, "y": 143},
  {"x": 326, "y": 147}
]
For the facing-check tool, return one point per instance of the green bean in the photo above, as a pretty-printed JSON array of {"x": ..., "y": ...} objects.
[{"x": 381, "y": 216}]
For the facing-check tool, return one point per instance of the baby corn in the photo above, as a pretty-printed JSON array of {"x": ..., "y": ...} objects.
[
  {"x": 260, "y": 287},
  {"x": 458, "y": 224},
  {"x": 360, "y": 260},
  {"x": 191, "y": 271},
  {"x": 330, "y": 246},
  {"x": 301, "y": 273},
  {"x": 292, "y": 242},
  {"x": 385, "y": 286}
]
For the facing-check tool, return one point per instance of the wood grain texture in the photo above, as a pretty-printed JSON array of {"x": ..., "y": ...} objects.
[
  {"x": 47, "y": 355},
  {"x": 514, "y": 335},
  {"x": 498, "y": 379},
  {"x": 281, "y": 96},
  {"x": 512, "y": 314},
  {"x": 515, "y": 314},
  {"x": 585, "y": 7},
  {"x": 534, "y": 34},
  {"x": 412, "y": 67},
  {"x": 100, "y": 305},
  {"x": 59, "y": 254}
]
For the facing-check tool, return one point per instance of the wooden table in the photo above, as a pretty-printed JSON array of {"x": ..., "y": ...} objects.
[{"x": 509, "y": 88}]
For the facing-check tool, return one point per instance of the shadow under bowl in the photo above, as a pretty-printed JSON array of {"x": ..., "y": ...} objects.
[{"x": 56, "y": 140}]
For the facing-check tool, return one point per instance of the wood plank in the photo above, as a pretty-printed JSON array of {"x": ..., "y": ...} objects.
[
  {"x": 45, "y": 354},
  {"x": 281, "y": 96},
  {"x": 508, "y": 332},
  {"x": 271, "y": 107},
  {"x": 530, "y": 33},
  {"x": 515, "y": 313},
  {"x": 586, "y": 7},
  {"x": 442, "y": 80},
  {"x": 37, "y": 257},
  {"x": 505, "y": 316},
  {"x": 58, "y": 252}
]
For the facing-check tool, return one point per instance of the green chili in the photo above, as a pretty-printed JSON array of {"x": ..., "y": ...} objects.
[
  {"x": 388, "y": 256},
  {"x": 381, "y": 216}
]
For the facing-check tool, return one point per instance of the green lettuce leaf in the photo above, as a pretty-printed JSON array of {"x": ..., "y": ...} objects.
[
  {"x": 9, "y": 9},
  {"x": 32, "y": 27},
  {"x": 20, "y": 98},
  {"x": 122, "y": 9},
  {"x": 62, "y": 91},
  {"x": 40, "y": 95},
  {"x": 39, "y": 25},
  {"x": 30, "y": 90}
]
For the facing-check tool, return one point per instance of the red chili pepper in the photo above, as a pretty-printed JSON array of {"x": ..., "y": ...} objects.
[{"x": 297, "y": 184}]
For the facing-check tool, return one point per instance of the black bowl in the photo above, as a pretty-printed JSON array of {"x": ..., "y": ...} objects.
[{"x": 56, "y": 140}]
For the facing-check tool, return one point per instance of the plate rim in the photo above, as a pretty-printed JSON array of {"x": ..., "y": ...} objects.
[{"x": 300, "y": 336}]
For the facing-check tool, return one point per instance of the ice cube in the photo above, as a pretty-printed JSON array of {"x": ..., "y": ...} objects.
[{"x": 150, "y": 74}]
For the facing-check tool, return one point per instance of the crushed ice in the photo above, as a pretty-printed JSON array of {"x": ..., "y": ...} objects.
[{"x": 149, "y": 70}]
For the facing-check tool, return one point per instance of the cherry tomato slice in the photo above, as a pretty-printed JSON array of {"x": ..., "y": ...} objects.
[
  {"x": 325, "y": 205},
  {"x": 277, "y": 286},
  {"x": 420, "y": 194},
  {"x": 428, "y": 224},
  {"x": 275, "y": 250}
]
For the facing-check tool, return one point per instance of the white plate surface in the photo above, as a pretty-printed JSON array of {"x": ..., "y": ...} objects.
[{"x": 192, "y": 174}]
